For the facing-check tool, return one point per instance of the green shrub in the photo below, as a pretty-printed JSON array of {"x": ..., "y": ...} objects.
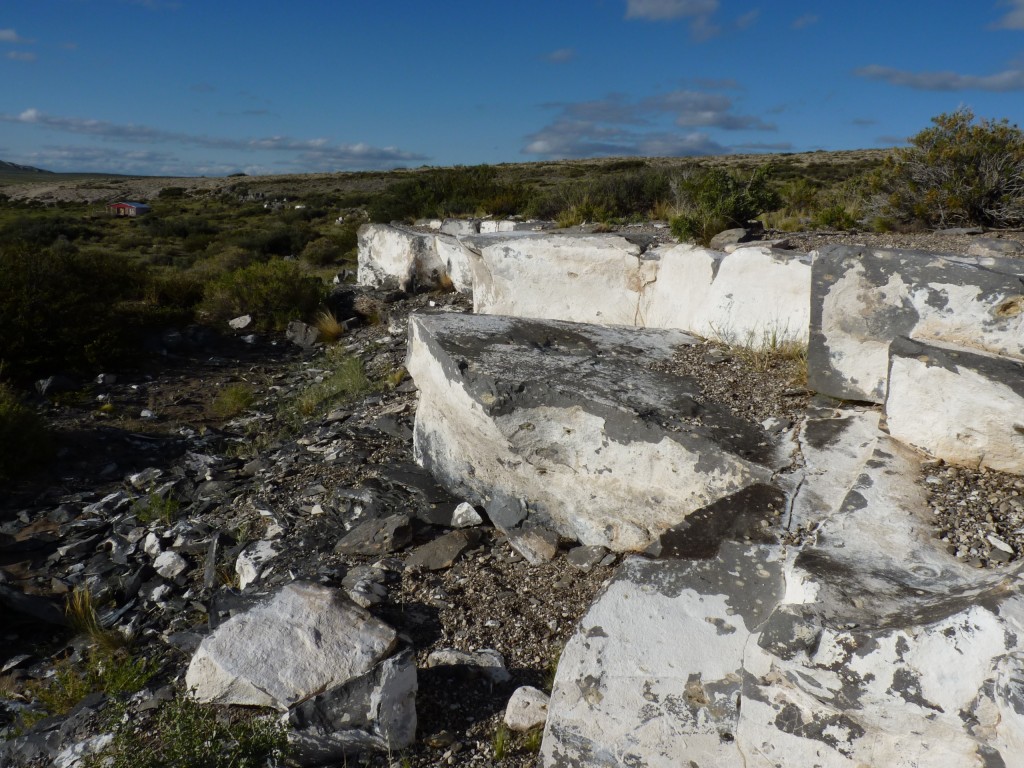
[
  {"x": 835, "y": 216},
  {"x": 956, "y": 173},
  {"x": 448, "y": 192},
  {"x": 713, "y": 200},
  {"x": 273, "y": 292},
  {"x": 24, "y": 440},
  {"x": 61, "y": 310}
]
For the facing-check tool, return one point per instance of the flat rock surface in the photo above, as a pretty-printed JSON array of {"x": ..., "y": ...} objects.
[{"x": 572, "y": 418}]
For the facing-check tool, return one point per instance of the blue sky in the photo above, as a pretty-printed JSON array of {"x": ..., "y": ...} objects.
[{"x": 210, "y": 87}]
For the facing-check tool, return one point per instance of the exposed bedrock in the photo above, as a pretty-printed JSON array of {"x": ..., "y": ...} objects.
[
  {"x": 872, "y": 645},
  {"x": 566, "y": 423},
  {"x": 863, "y": 298}
]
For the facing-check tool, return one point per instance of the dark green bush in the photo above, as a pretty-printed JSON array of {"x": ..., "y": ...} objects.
[
  {"x": 714, "y": 200},
  {"x": 956, "y": 173},
  {"x": 273, "y": 292},
  {"x": 42, "y": 231},
  {"x": 61, "y": 310},
  {"x": 448, "y": 192},
  {"x": 24, "y": 440}
]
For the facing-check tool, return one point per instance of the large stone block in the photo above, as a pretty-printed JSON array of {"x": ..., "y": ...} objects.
[
  {"x": 580, "y": 278},
  {"x": 570, "y": 420},
  {"x": 751, "y": 297},
  {"x": 747, "y": 297},
  {"x": 863, "y": 298},
  {"x": 964, "y": 407},
  {"x": 653, "y": 674},
  {"x": 393, "y": 256},
  {"x": 887, "y": 650}
]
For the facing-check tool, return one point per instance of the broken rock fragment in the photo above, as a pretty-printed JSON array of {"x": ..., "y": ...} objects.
[{"x": 304, "y": 640}]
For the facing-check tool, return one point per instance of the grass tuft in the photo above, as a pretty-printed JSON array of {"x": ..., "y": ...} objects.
[
  {"x": 330, "y": 329},
  {"x": 500, "y": 741},
  {"x": 232, "y": 400}
]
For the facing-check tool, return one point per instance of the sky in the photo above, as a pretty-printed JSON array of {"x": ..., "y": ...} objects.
[{"x": 212, "y": 87}]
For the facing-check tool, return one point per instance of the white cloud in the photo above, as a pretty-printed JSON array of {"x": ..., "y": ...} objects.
[
  {"x": 1001, "y": 82},
  {"x": 317, "y": 154},
  {"x": 699, "y": 11},
  {"x": 1014, "y": 18},
  {"x": 10, "y": 36},
  {"x": 747, "y": 19},
  {"x": 664, "y": 10},
  {"x": 807, "y": 20},
  {"x": 560, "y": 56},
  {"x": 618, "y": 125},
  {"x": 21, "y": 56}
]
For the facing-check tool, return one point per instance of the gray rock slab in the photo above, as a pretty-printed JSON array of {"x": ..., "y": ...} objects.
[
  {"x": 653, "y": 674},
  {"x": 862, "y": 298},
  {"x": 887, "y": 650},
  {"x": 964, "y": 407},
  {"x": 834, "y": 445},
  {"x": 377, "y": 536},
  {"x": 571, "y": 420},
  {"x": 443, "y": 551},
  {"x": 376, "y": 710},
  {"x": 304, "y": 640},
  {"x": 535, "y": 543}
]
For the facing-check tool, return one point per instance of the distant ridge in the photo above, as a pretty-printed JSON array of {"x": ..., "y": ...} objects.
[{"x": 6, "y": 167}]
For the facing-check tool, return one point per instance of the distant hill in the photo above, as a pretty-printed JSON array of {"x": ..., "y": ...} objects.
[{"x": 11, "y": 168}]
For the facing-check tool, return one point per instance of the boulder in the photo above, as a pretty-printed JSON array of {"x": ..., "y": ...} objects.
[
  {"x": 863, "y": 298},
  {"x": 527, "y": 709},
  {"x": 728, "y": 237},
  {"x": 304, "y": 640},
  {"x": 569, "y": 423},
  {"x": 302, "y": 335},
  {"x": 980, "y": 422}
]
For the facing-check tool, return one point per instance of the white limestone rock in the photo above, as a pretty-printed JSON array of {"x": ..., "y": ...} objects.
[
  {"x": 870, "y": 646},
  {"x": 252, "y": 561},
  {"x": 835, "y": 444},
  {"x": 886, "y": 650},
  {"x": 170, "y": 564},
  {"x": 863, "y": 298},
  {"x": 397, "y": 257},
  {"x": 653, "y": 674},
  {"x": 401, "y": 257},
  {"x": 527, "y": 709},
  {"x": 305, "y": 640},
  {"x": 580, "y": 278},
  {"x": 571, "y": 419},
  {"x": 964, "y": 407}
]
